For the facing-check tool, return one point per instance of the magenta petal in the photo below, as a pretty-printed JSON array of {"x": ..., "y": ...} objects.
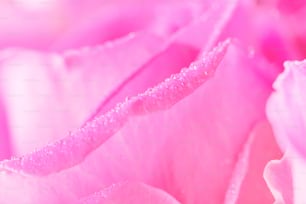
[
  {"x": 286, "y": 107},
  {"x": 130, "y": 193},
  {"x": 46, "y": 95}
]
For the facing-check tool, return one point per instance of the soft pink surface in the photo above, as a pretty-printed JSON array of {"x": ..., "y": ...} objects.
[
  {"x": 263, "y": 148},
  {"x": 46, "y": 95},
  {"x": 286, "y": 107},
  {"x": 174, "y": 156},
  {"x": 127, "y": 102},
  {"x": 287, "y": 114}
]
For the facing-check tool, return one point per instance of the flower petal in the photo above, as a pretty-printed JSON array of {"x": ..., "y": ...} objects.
[
  {"x": 262, "y": 149},
  {"x": 151, "y": 145},
  {"x": 279, "y": 179},
  {"x": 73, "y": 149},
  {"x": 286, "y": 109},
  {"x": 180, "y": 150},
  {"x": 128, "y": 193},
  {"x": 186, "y": 145},
  {"x": 183, "y": 47},
  {"x": 286, "y": 178},
  {"x": 287, "y": 115},
  {"x": 46, "y": 95}
]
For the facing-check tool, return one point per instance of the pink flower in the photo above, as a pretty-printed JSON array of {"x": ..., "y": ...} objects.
[
  {"x": 146, "y": 101},
  {"x": 287, "y": 115}
]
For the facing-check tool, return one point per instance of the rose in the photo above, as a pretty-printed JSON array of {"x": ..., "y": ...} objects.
[{"x": 178, "y": 142}]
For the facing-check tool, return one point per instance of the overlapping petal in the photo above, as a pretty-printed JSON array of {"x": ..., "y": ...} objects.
[
  {"x": 175, "y": 137},
  {"x": 286, "y": 178},
  {"x": 46, "y": 95},
  {"x": 74, "y": 149},
  {"x": 286, "y": 110},
  {"x": 179, "y": 150},
  {"x": 287, "y": 114},
  {"x": 260, "y": 149}
]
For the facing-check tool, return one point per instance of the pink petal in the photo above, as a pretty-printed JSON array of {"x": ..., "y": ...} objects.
[
  {"x": 286, "y": 113},
  {"x": 180, "y": 150},
  {"x": 285, "y": 108},
  {"x": 31, "y": 124},
  {"x": 46, "y": 95},
  {"x": 90, "y": 175},
  {"x": 262, "y": 149},
  {"x": 96, "y": 131},
  {"x": 166, "y": 149},
  {"x": 130, "y": 193},
  {"x": 286, "y": 178},
  {"x": 279, "y": 179},
  {"x": 181, "y": 49}
]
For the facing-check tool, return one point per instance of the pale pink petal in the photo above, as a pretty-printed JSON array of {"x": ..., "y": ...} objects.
[
  {"x": 179, "y": 150},
  {"x": 46, "y": 95},
  {"x": 70, "y": 70},
  {"x": 99, "y": 129},
  {"x": 181, "y": 49},
  {"x": 262, "y": 149},
  {"x": 286, "y": 107},
  {"x": 278, "y": 176},
  {"x": 90, "y": 175},
  {"x": 130, "y": 193},
  {"x": 167, "y": 62},
  {"x": 287, "y": 114},
  {"x": 286, "y": 178},
  {"x": 182, "y": 150}
]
